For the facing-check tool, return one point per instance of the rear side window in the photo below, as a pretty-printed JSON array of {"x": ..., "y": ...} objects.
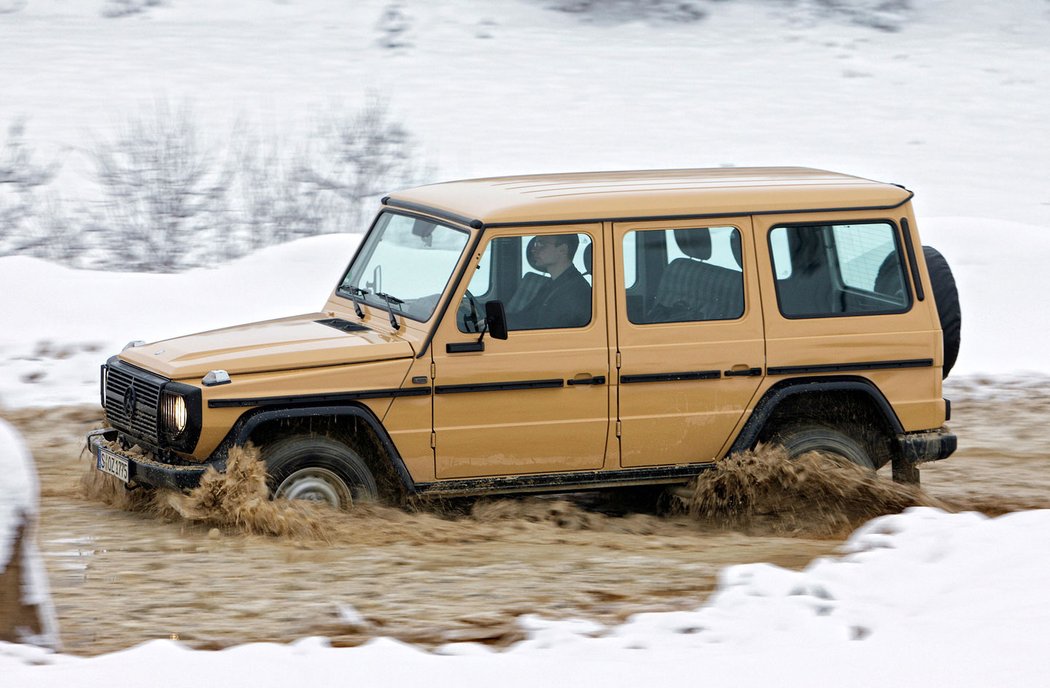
[
  {"x": 839, "y": 269},
  {"x": 700, "y": 276}
]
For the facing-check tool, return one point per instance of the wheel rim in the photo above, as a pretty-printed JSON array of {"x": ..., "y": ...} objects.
[{"x": 315, "y": 484}]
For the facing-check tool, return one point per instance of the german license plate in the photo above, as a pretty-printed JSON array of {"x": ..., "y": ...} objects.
[{"x": 108, "y": 462}]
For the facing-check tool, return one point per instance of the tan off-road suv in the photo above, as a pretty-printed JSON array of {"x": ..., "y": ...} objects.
[{"x": 569, "y": 331}]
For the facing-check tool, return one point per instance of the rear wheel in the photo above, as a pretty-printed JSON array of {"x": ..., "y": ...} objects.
[
  {"x": 801, "y": 439},
  {"x": 318, "y": 469}
]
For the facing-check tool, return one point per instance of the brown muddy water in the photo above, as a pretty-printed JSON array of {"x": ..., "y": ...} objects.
[{"x": 225, "y": 566}]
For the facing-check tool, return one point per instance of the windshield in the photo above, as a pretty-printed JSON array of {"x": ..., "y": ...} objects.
[{"x": 407, "y": 261}]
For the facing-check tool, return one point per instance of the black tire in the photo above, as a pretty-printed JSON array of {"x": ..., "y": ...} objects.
[
  {"x": 946, "y": 296},
  {"x": 806, "y": 438},
  {"x": 318, "y": 469}
]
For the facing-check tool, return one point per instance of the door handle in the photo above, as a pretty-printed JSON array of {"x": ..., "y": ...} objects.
[
  {"x": 585, "y": 379},
  {"x": 743, "y": 371}
]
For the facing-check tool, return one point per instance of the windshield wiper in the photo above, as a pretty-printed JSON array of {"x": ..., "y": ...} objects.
[
  {"x": 354, "y": 293},
  {"x": 390, "y": 309}
]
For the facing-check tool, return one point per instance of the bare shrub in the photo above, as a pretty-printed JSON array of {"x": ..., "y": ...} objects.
[
  {"x": 164, "y": 194},
  {"x": 361, "y": 156},
  {"x": 884, "y": 15},
  {"x": 394, "y": 26},
  {"x": 114, "y": 9},
  {"x": 170, "y": 198},
  {"x": 618, "y": 11},
  {"x": 22, "y": 180},
  {"x": 270, "y": 201},
  {"x": 11, "y": 6}
]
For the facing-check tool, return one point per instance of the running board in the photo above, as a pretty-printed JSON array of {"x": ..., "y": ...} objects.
[{"x": 563, "y": 482}]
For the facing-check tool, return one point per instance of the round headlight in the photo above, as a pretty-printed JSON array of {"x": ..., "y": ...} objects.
[{"x": 175, "y": 413}]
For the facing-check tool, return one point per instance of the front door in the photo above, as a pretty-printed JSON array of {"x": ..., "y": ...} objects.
[
  {"x": 537, "y": 402},
  {"x": 690, "y": 337}
]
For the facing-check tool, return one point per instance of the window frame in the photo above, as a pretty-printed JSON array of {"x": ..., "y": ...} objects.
[{"x": 898, "y": 243}]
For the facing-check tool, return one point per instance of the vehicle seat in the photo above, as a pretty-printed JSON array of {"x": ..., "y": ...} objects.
[
  {"x": 809, "y": 289},
  {"x": 691, "y": 289}
]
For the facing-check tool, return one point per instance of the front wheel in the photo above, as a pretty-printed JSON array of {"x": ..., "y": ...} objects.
[
  {"x": 821, "y": 438},
  {"x": 318, "y": 469}
]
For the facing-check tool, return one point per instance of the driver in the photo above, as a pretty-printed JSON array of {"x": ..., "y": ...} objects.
[{"x": 565, "y": 301}]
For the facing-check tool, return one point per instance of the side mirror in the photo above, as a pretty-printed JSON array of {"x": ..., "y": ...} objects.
[{"x": 496, "y": 319}]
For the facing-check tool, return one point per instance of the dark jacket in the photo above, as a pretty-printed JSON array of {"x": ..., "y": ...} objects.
[{"x": 564, "y": 302}]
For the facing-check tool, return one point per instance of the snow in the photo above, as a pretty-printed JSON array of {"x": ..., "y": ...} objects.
[
  {"x": 954, "y": 106},
  {"x": 58, "y": 325},
  {"x": 19, "y": 508},
  {"x": 919, "y": 598}
]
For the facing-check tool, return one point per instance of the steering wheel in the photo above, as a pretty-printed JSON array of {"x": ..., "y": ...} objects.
[{"x": 470, "y": 317}]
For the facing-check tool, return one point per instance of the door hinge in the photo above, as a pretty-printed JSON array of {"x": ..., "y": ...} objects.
[
  {"x": 433, "y": 370},
  {"x": 619, "y": 429},
  {"x": 617, "y": 359},
  {"x": 433, "y": 440}
]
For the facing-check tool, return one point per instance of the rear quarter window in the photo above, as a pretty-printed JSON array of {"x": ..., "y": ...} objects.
[{"x": 830, "y": 270}]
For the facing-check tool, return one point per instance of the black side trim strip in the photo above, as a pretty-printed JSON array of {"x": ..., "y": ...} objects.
[
  {"x": 691, "y": 216},
  {"x": 671, "y": 377},
  {"x": 498, "y": 386},
  {"x": 562, "y": 482},
  {"x": 846, "y": 367},
  {"x": 750, "y": 372},
  {"x": 920, "y": 293},
  {"x": 319, "y": 398},
  {"x": 443, "y": 214},
  {"x": 596, "y": 380}
]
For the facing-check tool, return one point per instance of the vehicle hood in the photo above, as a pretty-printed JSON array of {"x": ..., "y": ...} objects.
[{"x": 302, "y": 341}]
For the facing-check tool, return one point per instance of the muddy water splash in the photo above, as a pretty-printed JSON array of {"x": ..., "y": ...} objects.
[
  {"x": 235, "y": 500},
  {"x": 239, "y": 499},
  {"x": 759, "y": 492},
  {"x": 816, "y": 495}
]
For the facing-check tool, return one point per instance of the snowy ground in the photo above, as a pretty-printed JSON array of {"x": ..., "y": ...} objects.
[
  {"x": 955, "y": 106},
  {"x": 921, "y": 598}
]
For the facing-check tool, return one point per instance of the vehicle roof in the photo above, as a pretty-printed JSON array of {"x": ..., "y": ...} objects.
[{"x": 582, "y": 196}]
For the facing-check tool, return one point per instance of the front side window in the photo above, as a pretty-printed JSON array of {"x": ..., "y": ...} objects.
[
  {"x": 840, "y": 269},
  {"x": 406, "y": 261},
  {"x": 544, "y": 282},
  {"x": 697, "y": 275}
]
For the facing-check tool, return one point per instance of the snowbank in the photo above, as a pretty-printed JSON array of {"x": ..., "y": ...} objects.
[
  {"x": 58, "y": 325},
  {"x": 921, "y": 598},
  {"x": 26, "y": 613}
]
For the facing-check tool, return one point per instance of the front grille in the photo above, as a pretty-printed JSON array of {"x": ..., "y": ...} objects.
[{"x": 142, "y": 421}]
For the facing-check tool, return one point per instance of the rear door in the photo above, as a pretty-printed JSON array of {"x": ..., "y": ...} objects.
[{"x": 689, "y": 337}]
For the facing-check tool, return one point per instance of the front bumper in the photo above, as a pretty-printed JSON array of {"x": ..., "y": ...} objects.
[
  {"x": 143, "y": 470},
  {"x": 931, "y": 445}
]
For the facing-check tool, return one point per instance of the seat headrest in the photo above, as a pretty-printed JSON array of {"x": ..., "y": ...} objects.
[
  {"x": 695, "y": 243},
  {"x": 530, "y": 254},
  {"x": 587, "y": 257},
  {"x": 734, "y": 244}
]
